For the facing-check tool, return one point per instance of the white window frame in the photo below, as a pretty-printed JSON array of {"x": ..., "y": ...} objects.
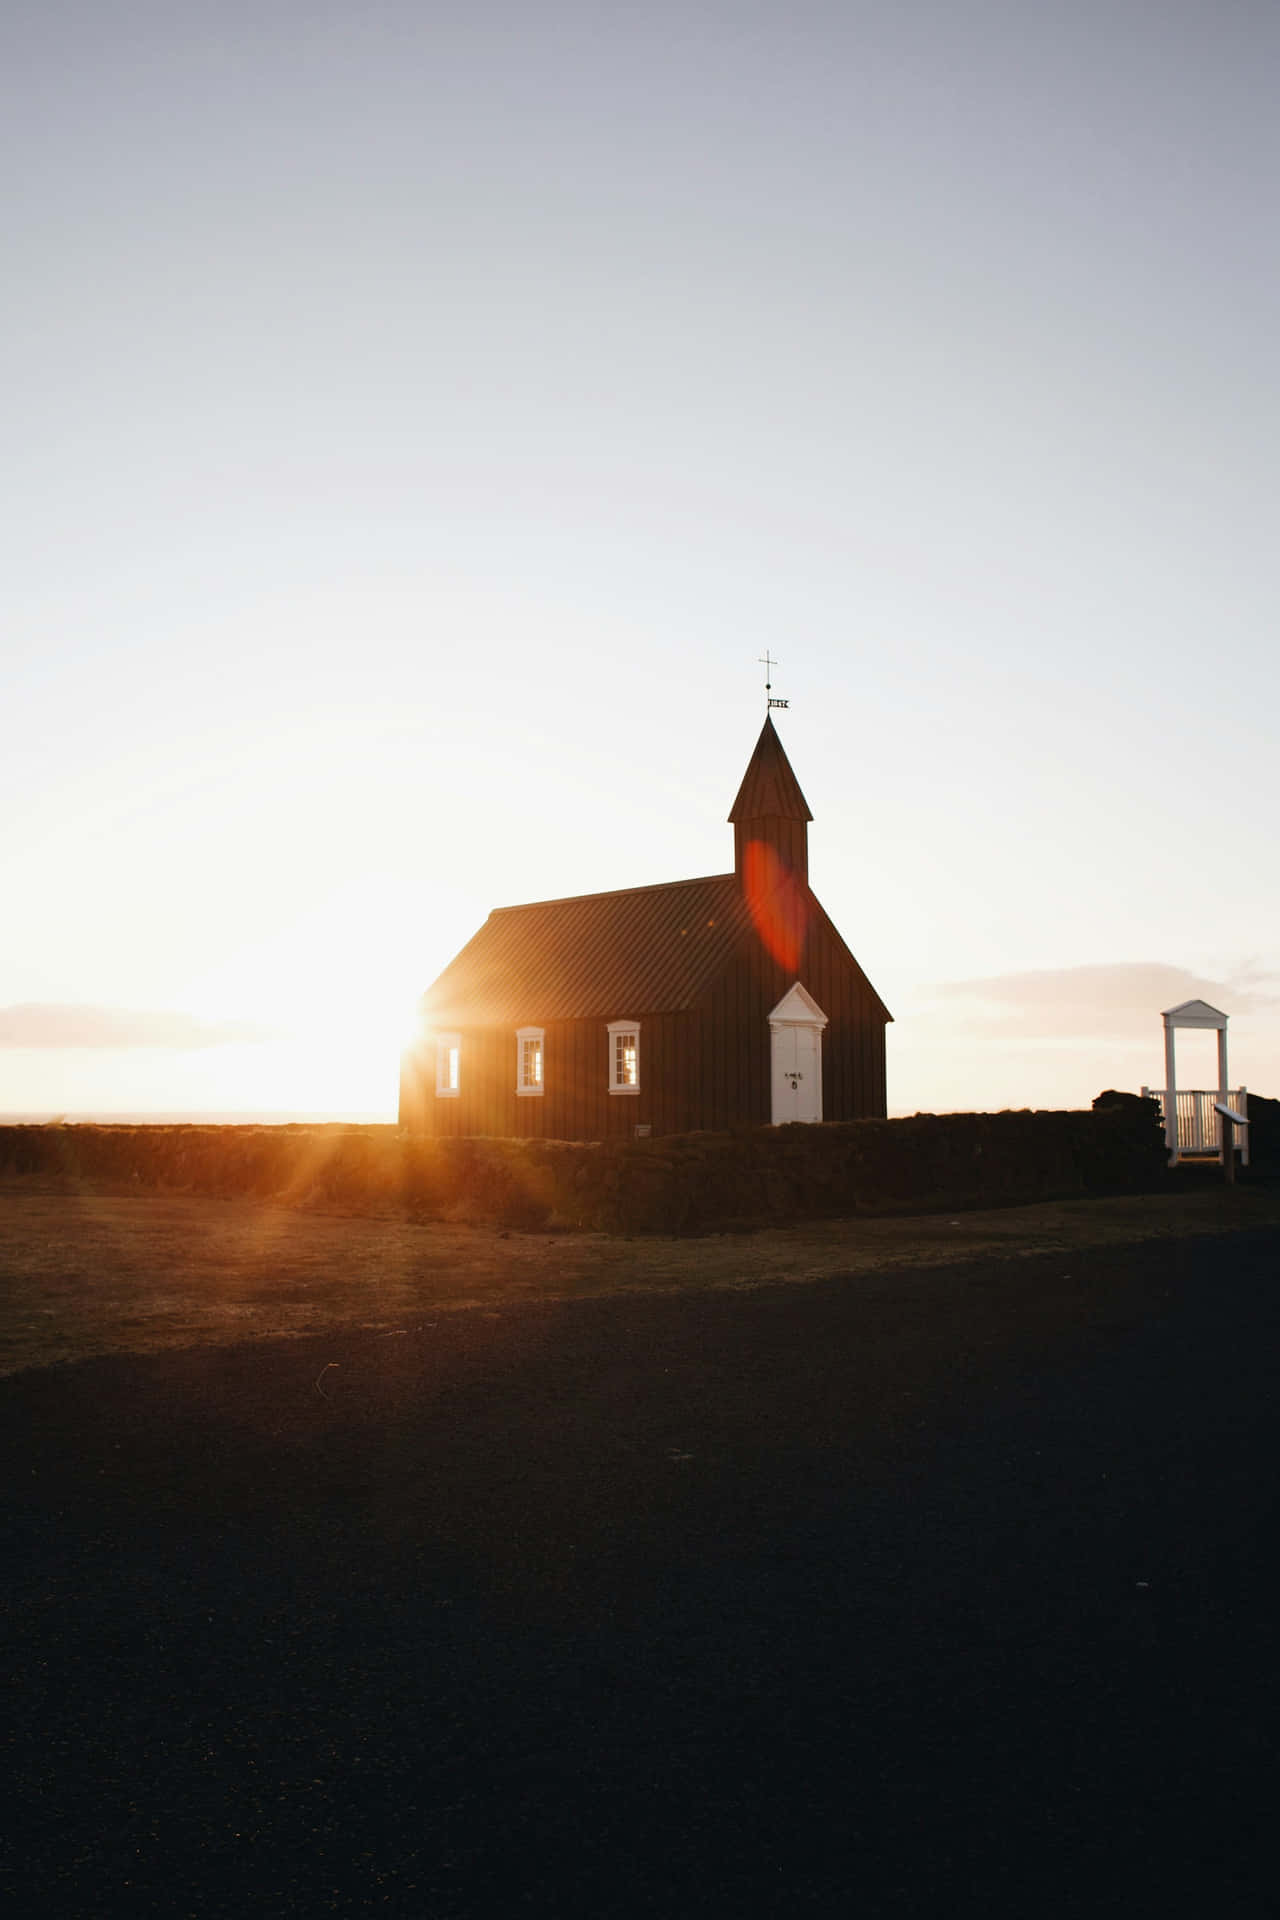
[
  {"x": 528, "y": 1090},
  {"x": 617, "y": 1028},
  {"x": 447, "y": 1045}
]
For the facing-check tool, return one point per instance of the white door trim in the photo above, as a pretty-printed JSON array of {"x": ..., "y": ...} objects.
[{"x": 797, "y": 1008}]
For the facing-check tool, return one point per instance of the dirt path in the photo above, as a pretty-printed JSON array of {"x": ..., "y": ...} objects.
[{"x": 87, "y": 1272}]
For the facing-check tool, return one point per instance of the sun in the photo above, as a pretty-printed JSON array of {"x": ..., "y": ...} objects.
[{"x": 335, "y": 995}]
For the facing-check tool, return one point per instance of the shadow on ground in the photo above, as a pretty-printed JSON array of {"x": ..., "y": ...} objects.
[{"x": 948, "y": 1592}]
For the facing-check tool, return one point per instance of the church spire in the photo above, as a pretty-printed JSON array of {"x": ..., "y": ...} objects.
[{"x": 770, "y": 809}]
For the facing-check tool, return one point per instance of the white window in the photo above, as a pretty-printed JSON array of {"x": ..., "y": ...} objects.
[
  {"x": 624, "y": 1056},
  {"x": 448, "y": 1062},
  {"x": 529, "y": 1060}
]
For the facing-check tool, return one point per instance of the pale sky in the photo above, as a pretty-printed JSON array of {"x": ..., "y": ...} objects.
[{"x": 418, "y": 419}]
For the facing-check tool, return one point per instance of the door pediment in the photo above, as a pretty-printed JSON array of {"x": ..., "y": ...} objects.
[{"x": 797, "y": 1008}]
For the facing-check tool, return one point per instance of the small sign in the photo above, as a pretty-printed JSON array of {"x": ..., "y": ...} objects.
[{"x": 642, "y": 1133}]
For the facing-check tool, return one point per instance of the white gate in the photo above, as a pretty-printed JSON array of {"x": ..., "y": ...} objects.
[
  {"x": 1198, "y": 1130},
  {"x": 1190, "y": 1123}
]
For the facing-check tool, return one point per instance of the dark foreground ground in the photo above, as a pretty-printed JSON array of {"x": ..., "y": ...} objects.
[{"x": 947, "y": 1592}]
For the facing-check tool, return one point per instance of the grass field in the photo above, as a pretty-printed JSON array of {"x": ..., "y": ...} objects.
[{"x": 90, "y": 1271}]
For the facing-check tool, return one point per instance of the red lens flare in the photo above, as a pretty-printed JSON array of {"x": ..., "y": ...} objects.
[{"x": 778, "y": 903}]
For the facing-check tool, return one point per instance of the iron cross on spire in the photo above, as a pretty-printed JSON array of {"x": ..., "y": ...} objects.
[{"x": 768, "y": 662}]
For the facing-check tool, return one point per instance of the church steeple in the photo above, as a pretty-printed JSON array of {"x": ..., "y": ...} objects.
[{"x": 770, "y": 809}]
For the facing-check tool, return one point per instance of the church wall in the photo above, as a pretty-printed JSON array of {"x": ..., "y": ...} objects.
[
  {"x": 853, "y": 1059},
  {"x": 738, "y": 1050},
  {"x": 576, "y": 1103},
  {"x": 708, "y": 1068}
]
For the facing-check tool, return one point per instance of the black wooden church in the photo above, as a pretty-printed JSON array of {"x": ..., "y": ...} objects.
[{"x": 727, "y": 1001}]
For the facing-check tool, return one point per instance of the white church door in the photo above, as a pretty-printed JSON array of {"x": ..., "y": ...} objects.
[{"x": 795, "y": 1035}]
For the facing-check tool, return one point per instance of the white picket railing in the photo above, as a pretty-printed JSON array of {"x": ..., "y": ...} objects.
[{"x": 1199, "y": 1125}]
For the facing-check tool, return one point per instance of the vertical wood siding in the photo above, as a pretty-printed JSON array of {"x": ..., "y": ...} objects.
[
  {"x": 738, "y": 1049},
  {"x": 576, "y": 1103},
  {"x": 706, "y": 1067}
]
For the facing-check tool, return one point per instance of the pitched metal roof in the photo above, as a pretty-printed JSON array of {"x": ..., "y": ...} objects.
[
  {"x": 769, "y": 790},
  {"x": 642, "y": 950}
]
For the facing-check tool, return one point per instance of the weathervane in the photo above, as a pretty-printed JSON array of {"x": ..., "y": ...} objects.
[{"x": 768, "y": 662}]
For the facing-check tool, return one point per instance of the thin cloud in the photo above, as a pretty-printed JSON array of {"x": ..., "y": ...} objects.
[
  {"x": 1106, "y": 998},
  {"x": 52, "y": 1026}
]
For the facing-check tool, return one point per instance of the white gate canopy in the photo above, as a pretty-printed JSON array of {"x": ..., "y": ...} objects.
[
  {"x": 1195, "y": 1013},
  {"x": 1191, "y": 1013}
]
